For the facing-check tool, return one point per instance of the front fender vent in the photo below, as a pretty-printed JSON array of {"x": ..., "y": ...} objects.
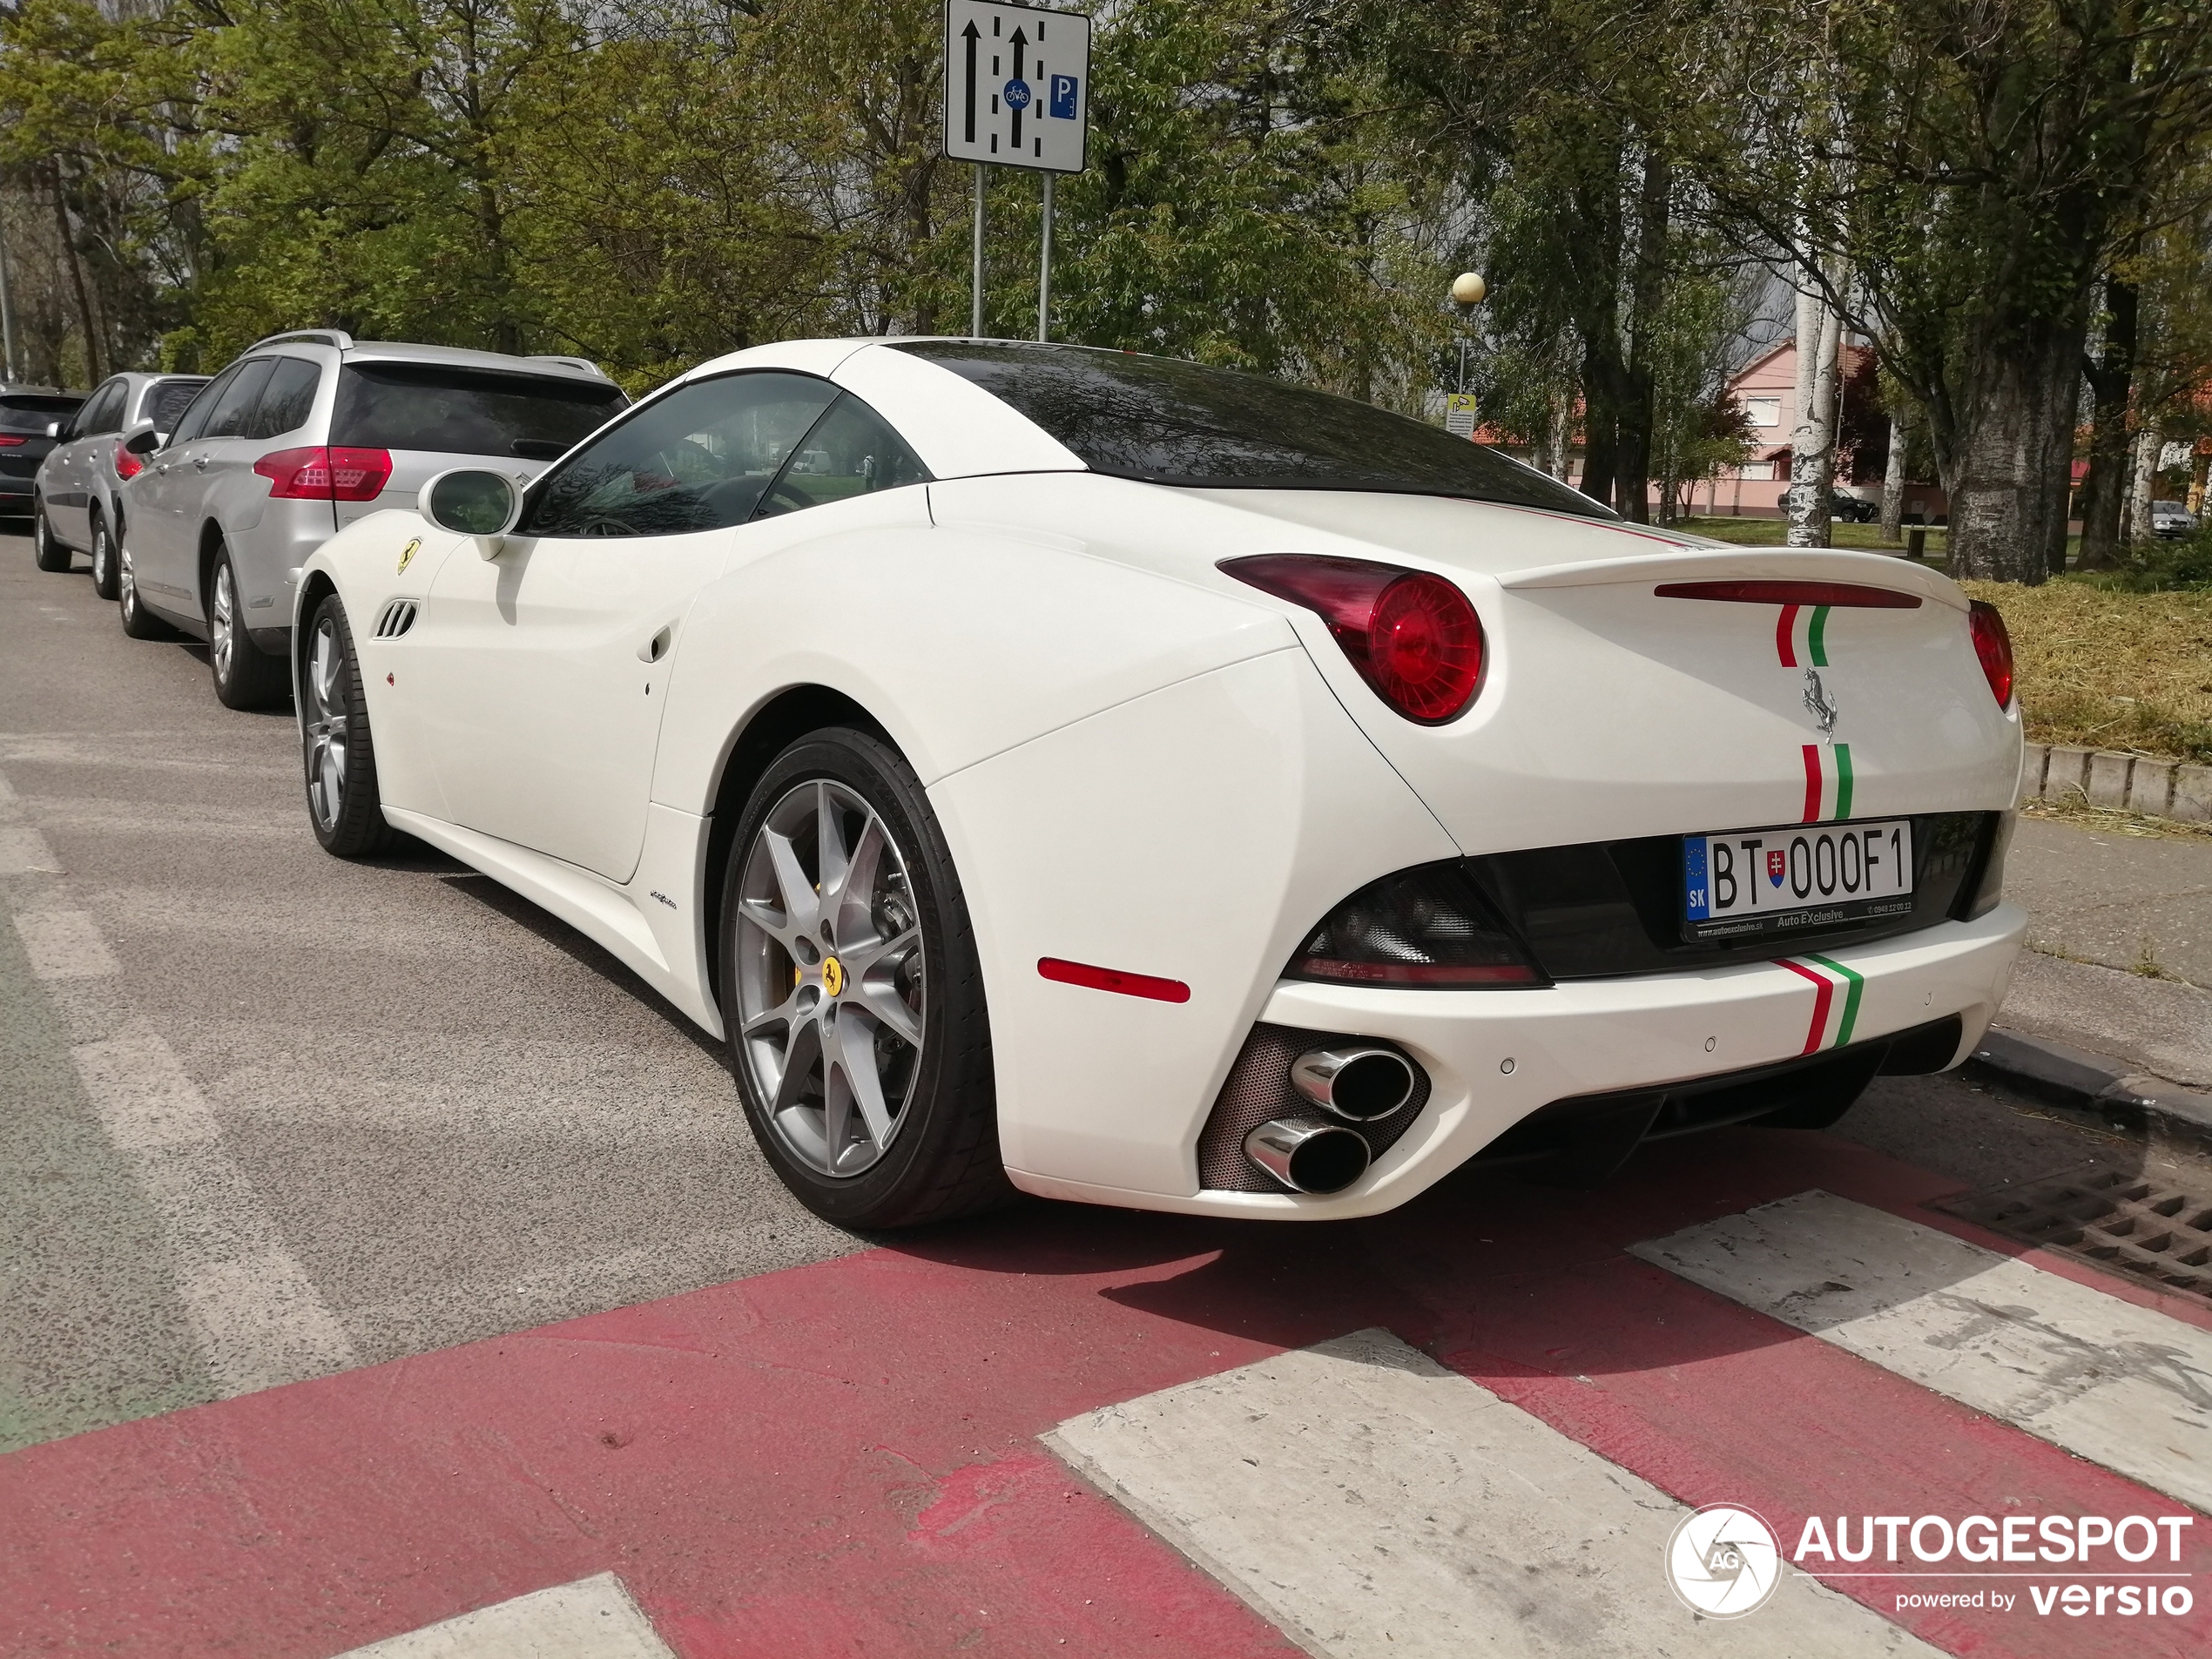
[{"x": 398, "y": 617}]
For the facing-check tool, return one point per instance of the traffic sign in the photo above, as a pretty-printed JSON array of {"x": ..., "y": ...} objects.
[{"x": 1017, "y": 85}]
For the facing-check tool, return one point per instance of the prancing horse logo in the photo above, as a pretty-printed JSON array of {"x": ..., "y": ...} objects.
[{"x": 1818, "y": 706}]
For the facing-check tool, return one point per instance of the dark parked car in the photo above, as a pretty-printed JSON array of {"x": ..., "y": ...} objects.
[{"x": 24, "y": 416}]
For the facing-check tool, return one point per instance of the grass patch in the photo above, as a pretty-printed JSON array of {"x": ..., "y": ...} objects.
[
  {"x": 1772, "y": 532},
  {"x": 2106, "y": 821},
  {"x": 2111, "y": 669}
]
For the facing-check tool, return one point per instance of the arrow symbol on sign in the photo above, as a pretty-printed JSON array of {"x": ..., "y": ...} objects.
[
  {"x": 1020, "y": 43},
  {"x": 968, "y": 35}
]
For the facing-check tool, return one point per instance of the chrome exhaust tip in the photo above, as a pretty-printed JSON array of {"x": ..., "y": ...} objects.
[
  {"x": 1360, "y": 1085},
  {"x": 1308, "y": 1155}
]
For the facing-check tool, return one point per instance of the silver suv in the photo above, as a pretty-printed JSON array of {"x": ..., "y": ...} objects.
[
  {"x": 77, "y": 505},
  {"x": 303, "y": 435}
]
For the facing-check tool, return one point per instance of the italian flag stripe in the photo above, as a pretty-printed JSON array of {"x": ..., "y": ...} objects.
[
  {"x": 1823, "y": 992},
  {"x": 1816, "y": 635},
  {"x": 1818, "y": 768},
  {"x": 1827, "y": 977}
]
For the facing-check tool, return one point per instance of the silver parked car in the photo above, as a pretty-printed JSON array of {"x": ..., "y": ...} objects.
[
  {"x": 303, "y": 435},
  {"x": 77, "y": 505},
  {"x": 2171, "y": 519}
]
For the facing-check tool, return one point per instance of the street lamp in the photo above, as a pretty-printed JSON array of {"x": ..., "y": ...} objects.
[{"x": 1468, "y": 291}]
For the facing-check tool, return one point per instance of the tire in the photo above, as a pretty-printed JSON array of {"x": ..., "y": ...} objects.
[
  {"x": 343, "y": 804},
  {"x": 245, "y": 676},
  {"x": 926, "y": 1149},
  {"x": 106, "y": 579},
  {"x": 46, "y": 552},
  {"x": 139, "y": 623}
]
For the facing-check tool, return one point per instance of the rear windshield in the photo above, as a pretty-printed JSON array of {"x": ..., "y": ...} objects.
[
  {"x": 1171, "y": 422},
  {"x": 23, "y": 412},
  {"x": 168, "y": 400},
  {"x": 465, "y": 412}
]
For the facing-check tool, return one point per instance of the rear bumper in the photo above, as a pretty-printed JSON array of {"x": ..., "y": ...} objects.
[
  {"x": 16, "y": 491},
  {"x": 1496, "y": 1057}
]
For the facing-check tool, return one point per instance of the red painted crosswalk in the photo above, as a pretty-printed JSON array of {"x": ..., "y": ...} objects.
[{"x": 845, "y": 1458}]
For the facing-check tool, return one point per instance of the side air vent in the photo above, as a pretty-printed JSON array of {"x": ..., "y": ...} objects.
[{"x": 398, "y": 617}]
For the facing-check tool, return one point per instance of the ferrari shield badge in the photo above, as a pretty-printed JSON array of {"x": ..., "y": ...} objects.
[{"x": 407, "y": 553}]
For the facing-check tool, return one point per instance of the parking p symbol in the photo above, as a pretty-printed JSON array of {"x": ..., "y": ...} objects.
[{"x": 1063, "y": 97}]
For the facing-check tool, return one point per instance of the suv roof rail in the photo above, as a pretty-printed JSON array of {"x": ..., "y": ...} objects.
[
  {"x": 337, "y": 337},
  {"x": 584, "y": 363}
]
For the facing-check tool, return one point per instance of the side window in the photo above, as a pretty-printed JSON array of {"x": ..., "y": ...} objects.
[
  {"x": 103, "y": 414},
  {"x": 288, "y": 399},
  {"x": 195, "y": 417},
  {"x": 235, "y": 407},
  {"x": 851, "y": 451},
  {"x": 699, "y": 459}
]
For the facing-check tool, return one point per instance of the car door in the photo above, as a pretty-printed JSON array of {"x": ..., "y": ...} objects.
[
  {"x": 541, "y": 674},
  {"x": 68, "y": 490},
  {"x": 162, "y": 550}
]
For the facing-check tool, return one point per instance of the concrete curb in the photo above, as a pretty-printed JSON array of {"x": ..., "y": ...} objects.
[
  {"x": 2132, "y": 783},
  {"x": 2073, "y": 1077}
]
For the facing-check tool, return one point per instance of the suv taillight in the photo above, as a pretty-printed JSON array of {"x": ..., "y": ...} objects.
[
  {"x": 1995, "y": 646},
  {"x": 127, "y": 466},
  {"x": 326, "y": 473},
  {"x": 1413, "y": 636}
]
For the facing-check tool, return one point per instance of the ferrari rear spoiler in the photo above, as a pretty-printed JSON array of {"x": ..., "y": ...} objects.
[{"x": 1723, "y": 564}]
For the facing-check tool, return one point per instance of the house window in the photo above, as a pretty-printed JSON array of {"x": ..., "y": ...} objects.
[{"x": 1762, "y": 411}]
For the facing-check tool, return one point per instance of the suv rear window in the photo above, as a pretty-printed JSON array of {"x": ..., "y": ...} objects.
[
  {"x": 27, "y": 412},
  {"x": 1172, "y": 422},
  {"x": 170, "y": 399},
  {"x": 468, "y": 412}
]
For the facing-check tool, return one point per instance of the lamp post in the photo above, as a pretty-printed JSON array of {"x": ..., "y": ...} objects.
[{"x": 1468, "y": 290}]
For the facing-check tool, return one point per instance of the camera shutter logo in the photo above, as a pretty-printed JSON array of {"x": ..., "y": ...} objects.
[{"x": 1724, "y": 1562}]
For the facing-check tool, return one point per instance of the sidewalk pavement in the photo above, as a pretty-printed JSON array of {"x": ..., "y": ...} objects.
[{"x": 2103, "y": 908}]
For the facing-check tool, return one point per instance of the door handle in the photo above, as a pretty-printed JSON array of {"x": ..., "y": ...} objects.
[{"x": 656, "y": 648}]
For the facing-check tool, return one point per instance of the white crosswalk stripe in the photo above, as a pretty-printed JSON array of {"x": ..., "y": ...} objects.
[
  {"x": 593, "y": 1618},
  {"x": 1373, "y": 1503},
  {"x": 2122, "y": 1386}
]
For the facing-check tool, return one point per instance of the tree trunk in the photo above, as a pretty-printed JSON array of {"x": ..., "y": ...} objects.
[
  {"x": 1893, "y": 486},
  {"x": 1632, "y": 465},
  {"x": 95, "y": 358},
  {"x": 2112, "y": 377},
  {"x": 1813, "y": 442},
  {"x": 2143, "y": 484},
  {"x": 1600, "y": 419},
  {"x": 2014, "y": 449}
]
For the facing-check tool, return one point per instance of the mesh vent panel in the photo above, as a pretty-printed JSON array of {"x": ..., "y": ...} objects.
[{"x": 1258, "y": 1087}]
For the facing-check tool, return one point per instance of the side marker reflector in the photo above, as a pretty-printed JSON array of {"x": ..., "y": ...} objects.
[{"x": 1113, "y": 979}]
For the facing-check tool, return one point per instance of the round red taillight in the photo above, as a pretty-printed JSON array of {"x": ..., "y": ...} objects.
[
  {"x": 1424, "y": 648},
  {"x": 1995, "y": 646},
  {"x": 1413, "y": 636}
]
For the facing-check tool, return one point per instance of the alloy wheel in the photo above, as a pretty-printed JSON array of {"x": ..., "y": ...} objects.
[
  {"x": 325, "y": 725},
  {"x": 221, "y": 619},
  {"x": 830, "y": 987}
]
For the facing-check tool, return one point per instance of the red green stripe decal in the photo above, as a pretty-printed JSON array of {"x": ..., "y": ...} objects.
[
  {"x": 1816, "y": 636},
  {"x": 1827, "y": 976},
  {"x": 1820, "y": 764},
  {"x": 1856, "y": 984},
  {"x": 1823, "y": 992},
  {"x": 1785, "y": 645},
  {"x": 1785, "y": 637}
]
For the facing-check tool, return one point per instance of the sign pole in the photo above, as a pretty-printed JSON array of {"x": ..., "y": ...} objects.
[
  {"x": 975, "y": 303},
  {"x": 1044, "y": 269}
]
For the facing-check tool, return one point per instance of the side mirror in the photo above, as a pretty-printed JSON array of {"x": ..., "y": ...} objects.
[
  {"x": 471, "y": 501},
  {"x": 143, "y": 440},
  {"x": 53, "y": 428}
]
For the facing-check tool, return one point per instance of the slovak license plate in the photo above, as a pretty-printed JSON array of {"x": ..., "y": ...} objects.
[{"x": 1800, "y": 876}]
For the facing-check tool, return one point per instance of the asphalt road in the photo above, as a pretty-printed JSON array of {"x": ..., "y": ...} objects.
[{"x": 264, "y": 1114}]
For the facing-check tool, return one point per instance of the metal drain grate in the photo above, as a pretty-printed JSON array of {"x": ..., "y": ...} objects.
[{"x": 2141, "y": 1228}]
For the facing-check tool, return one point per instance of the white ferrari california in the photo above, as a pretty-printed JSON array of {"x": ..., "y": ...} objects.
[{"x": 1152, "y": 785}]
